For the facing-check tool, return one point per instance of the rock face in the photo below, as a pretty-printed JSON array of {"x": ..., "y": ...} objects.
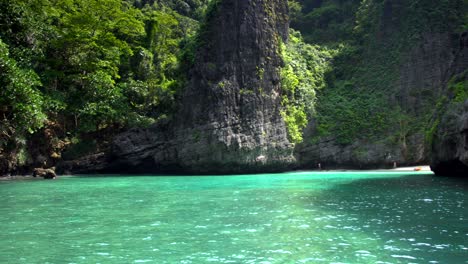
[
  {"x": 422, "y": 80},
  {"x": 450, "y": 143},
  {"x": 48, "y": 174},
  {"x": 229, "y": 119},
  {"x": 359, "y": 155},
  {"x": 450, "y": 148},
  {"x": 231, "y": 109}
]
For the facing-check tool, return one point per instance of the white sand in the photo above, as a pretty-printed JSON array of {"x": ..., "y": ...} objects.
[{"x": 423, "y": 168}]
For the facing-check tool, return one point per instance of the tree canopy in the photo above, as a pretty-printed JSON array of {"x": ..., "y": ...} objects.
[{"x": 91, "y": 65}]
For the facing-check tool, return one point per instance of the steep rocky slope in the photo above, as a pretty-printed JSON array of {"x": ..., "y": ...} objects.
[
  {"x": 450, "y": 142},
  {"x": 387, "y": 88},
  {"x": 395, "y": 94},
  {"x": 229, "y": 119},
  {"x": 422, "y": 79}
]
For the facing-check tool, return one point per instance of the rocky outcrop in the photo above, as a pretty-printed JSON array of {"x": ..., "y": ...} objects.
[
  {"x": 48, "y": 174},
  {"x": 421, "y": 80},
  {"x": 450, "y": 142},
  {"x": 229, "y": 119},
  {"x": 422, "y": 77},
  {"x": 450, "y": 147},
  {"x": 231, "y": 109},
  {"x": 358, "y": 155}
]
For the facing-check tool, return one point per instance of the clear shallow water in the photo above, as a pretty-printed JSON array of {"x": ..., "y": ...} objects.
[{"x": 358, "y": 217}]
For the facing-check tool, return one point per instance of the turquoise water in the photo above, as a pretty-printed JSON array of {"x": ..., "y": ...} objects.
[{"x": 352, "y": 217}]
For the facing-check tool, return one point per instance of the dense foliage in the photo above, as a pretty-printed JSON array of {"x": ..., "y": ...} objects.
[
  {"x": 371, "y": 39},
  {"x": 324, "y": 22},
  {"x": 301, "y": 77},
  {"x": 89, "y": 66}
]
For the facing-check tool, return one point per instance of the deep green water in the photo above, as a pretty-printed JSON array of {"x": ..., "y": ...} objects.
[{"x": 354, "y": 217}]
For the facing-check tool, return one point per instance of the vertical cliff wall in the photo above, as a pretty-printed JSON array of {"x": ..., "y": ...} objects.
[
  {"x": 230, "y": 114},
  {"x": 450, "y": 140},
  {"x": 387, "y": 86},
  {"x": 229, "y": 119},
  {"x": 395, "y": 94}
]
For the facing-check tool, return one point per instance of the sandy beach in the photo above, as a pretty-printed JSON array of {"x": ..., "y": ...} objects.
[{"x": 414, "y": 168}]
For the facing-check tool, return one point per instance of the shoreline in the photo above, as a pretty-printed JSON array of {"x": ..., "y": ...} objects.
[
  {"x": 424, "y": 168},
  {"x": 18, "y": 177}
]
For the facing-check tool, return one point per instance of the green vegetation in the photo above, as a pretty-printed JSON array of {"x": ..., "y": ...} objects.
[
  {"x": 371, "y": 39},
  {"x": 20, "y": 101},
  {"x": 324, "y": 22},
  {"x": 88, "y": 66},
  {"x": 302, "y": 75},
  {"x": 85, "y": 68},
  {"x": 348, "y": 114},
  {"x": 458, "y": 85}
]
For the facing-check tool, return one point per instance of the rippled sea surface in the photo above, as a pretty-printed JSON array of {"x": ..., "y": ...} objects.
[{"x": 349, "y": 217}]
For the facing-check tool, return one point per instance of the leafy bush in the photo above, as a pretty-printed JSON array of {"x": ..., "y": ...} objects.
[
  {"x": 458, "y": 85},
  {"x": 302, "y": 75},
  {"x": 21, "y": 103}
]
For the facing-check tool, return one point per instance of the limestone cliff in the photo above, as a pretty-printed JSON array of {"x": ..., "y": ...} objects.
[
  {"x": 450, "y": 142},
  {"x": 421, "y": 81},
  {"x": 229, "y": 119},
  {"x": 407, "y": 65}
]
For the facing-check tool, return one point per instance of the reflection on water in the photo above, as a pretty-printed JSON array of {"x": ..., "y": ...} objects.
[{"x": 284, "y": 218}]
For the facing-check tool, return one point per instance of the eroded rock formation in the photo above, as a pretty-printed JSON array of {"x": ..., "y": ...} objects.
[
  {"x": 229, "y": 119},
  {"x": 450, "y": 143},
  {"x": 422, "y": 81}
]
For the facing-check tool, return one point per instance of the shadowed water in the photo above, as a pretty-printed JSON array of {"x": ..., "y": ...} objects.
[{"x": 348, "y": 217}]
